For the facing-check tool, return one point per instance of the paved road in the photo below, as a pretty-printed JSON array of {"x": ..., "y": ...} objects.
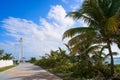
[{"x": 27, "y": 71}]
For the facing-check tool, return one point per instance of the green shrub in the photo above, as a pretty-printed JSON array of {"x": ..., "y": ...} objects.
[
  {"x": 85, "y": 72},
  {"x": 117, "y": 68},
  {"x": 62, "y": 69},
  {"x": 45, "y": 63},
  {"x": 32, "y": 60}
]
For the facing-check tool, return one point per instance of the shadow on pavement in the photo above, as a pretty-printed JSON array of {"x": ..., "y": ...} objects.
[{"x": 38, "y": 76}]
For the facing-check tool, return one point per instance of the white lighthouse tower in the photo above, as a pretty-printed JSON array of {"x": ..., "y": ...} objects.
[{"x": 21, "y": 58}]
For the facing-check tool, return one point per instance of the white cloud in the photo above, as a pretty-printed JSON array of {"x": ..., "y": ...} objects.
[
  {"x": 115, "y": 49},
  {"x": 39, "y": 38},
  {"x": 58, "y": 14}
]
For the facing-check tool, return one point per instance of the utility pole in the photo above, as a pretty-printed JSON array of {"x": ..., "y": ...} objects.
[{"x": 21, "y": 51}]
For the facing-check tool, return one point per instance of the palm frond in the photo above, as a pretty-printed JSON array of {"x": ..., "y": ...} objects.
[
  {"x": 112, "y": 24},
  {"x": 92, "y": 9},
  {"x": 113, "y": 53},
  {"x": 68, "y": 47},
  {"x": 73, "y": 31},
  {"x": 76, "y": 14},
  {"x": 81, "y": 37},
  {"x": 104, "y": 47},
  {"x": 105, "y": 5},
  {"x": 80, "y": 15},
  {"x": 92, "y": 48},
  {"x": 114, "y": 8},
  {"x": 74, "y": 50}
]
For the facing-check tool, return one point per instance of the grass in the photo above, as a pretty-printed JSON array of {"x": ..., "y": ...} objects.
[
  {"x": 117, "y": 68},
  {"x": 118, "y": 65},
  {"x": 6, "y": 68}
]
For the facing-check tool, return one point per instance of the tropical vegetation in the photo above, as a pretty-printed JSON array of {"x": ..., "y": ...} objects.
[
  {"x": 76, "y": 67},
  {"x": 102, "y": 17},
  {"x": 32, "y": 60},
  {"x": 87, "y": 44},
  {"x": 5, "y": 56}
]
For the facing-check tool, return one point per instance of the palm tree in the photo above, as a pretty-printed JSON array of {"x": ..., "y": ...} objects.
[
  {"x": 1, "y": 54},
  {"x": 82, "y": 56},
  {"x": 102, "y": 17},
  {"x": 7, "y": 56}
]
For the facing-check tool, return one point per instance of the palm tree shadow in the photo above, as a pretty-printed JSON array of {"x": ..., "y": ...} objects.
[{"x": 36, "y": 68}]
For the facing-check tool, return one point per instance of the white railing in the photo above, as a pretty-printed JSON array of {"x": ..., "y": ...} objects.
[{"x": 4, "y": 63}]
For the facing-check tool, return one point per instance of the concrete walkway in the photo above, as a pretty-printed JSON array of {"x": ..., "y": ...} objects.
[{"x": 27, "y": 71}]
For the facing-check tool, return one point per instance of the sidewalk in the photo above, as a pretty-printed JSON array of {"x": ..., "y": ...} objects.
[{"x": 27, "y": 71}]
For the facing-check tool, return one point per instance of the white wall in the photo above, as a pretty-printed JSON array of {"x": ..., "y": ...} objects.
[{"x": 4, "y": 63}]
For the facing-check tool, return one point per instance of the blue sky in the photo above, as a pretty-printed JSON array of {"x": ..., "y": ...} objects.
[
  {"x": 30, "y": 9},
  {"x": 40, "y": 23}
]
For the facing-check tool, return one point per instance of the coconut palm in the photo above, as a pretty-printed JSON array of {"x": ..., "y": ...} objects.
[
  {"x": 7, "y": 56},
  {"x": 102, "y": 17}
]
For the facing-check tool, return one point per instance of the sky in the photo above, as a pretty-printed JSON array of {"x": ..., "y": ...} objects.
[{"x": 41, "y": 24}]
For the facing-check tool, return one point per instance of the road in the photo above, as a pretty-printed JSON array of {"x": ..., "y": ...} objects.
[{"x": 27, "y": 71}]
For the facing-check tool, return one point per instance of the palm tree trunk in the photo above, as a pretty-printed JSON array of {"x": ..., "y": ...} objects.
[{"x": 111, "y": 56}]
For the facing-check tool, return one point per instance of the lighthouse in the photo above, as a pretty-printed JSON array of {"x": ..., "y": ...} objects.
[{"x": 21, "y": 58}]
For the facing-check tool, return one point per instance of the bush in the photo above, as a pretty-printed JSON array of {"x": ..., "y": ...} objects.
[
  {"x": 80, "y": 72},
  {"x": 45, "y": 63},
  {"x": 117, "y": 68},
  {"x": 62, "y": 69},
  {"x": 32, "y": 60}
]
